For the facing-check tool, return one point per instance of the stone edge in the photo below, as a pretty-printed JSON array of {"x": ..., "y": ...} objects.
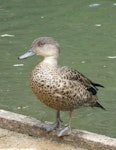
[{"x": 33, "y": 127}]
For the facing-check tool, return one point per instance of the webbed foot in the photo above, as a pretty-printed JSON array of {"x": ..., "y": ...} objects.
[
  {"x": 58, "y": 127},
  {"x": 50, "y": 126},
  {"x": 66, "y": 130}
]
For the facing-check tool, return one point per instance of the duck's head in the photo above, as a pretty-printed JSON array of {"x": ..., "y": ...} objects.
[{"x": 43, "y": 46}]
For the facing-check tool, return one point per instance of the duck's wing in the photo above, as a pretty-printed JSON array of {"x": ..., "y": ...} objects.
[{"x": 72, "y": 74}]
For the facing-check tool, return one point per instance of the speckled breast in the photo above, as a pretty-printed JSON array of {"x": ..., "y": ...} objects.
[
  {"x": 57, "y": 92},
  {"x": 47, "y": 87}
]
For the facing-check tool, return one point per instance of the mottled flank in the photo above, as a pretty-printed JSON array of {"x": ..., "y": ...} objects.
[{"x": 61, "y": 88}]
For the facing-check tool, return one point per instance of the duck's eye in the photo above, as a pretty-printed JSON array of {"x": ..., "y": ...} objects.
[{"x": 40, "y": 43}]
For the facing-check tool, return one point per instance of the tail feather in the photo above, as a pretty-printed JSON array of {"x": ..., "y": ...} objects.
[
  {"x": 96, "y": 84},
  {"x": 97, "y": 104}
]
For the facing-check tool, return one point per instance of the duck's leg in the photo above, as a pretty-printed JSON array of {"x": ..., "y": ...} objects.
[
  {"x": 53, "y": 126},
  {"x": 66, "y": 130},
  {"x": 60, "y": 129},
  {"x": 58, "y": 119}
]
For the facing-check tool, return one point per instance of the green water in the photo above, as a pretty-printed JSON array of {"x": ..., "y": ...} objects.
[{"x": 87, "y": 36}]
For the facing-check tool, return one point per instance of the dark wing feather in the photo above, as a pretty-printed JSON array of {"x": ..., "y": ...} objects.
[{"x": 72, "y": 74}]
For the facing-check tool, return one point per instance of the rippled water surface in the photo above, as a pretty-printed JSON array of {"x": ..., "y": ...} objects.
[{"x": 86, "y": 31}]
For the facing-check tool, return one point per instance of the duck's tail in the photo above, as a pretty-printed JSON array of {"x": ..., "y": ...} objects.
[
  {"x": 96, "y": 84},
  {"x": 97, "y": 104}
]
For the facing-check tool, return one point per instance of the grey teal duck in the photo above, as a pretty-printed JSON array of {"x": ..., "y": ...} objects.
[{"x": 61, "y": 88}]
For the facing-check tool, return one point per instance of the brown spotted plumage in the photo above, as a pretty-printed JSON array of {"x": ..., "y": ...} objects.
[{"x": 61, "y": 88}]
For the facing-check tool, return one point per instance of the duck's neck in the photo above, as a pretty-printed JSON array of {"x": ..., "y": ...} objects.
[{"x": 51, "y": 60}]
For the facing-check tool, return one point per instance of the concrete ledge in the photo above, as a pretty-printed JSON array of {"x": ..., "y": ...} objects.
[{"x": 34, "y": 127}]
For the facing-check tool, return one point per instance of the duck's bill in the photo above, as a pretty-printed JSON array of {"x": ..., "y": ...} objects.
[{"x": 28, "y": 54}]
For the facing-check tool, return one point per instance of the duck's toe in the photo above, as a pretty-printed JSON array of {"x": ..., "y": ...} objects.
[
  {"x": 50, "y": 126},
  {"x": 63, "y": 131}
]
